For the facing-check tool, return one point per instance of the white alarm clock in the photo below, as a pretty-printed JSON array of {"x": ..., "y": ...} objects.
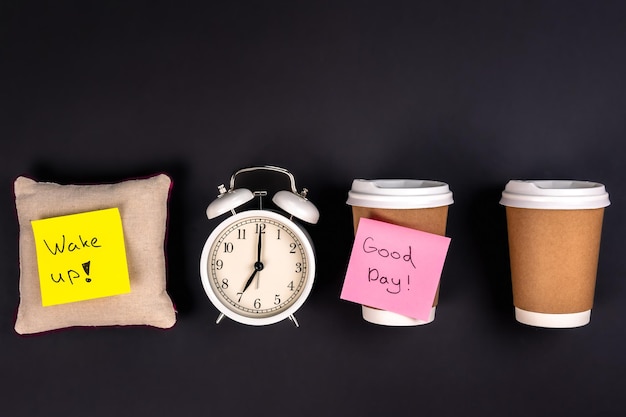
[{"x": 257, "y": 267}]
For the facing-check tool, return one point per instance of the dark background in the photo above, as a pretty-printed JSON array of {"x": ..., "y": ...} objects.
[{"x": 470, "y": 93}]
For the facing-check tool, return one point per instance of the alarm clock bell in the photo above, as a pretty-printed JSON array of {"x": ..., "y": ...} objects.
[
  {"x": 297, "y": 205},
  {"x": 228, "y": 201}
]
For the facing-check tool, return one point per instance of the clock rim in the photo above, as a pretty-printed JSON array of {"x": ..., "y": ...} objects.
[{"x": 281, "y": 314}]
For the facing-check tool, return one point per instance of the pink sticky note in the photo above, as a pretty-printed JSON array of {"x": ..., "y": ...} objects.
[{"x": 395, "y": 268}]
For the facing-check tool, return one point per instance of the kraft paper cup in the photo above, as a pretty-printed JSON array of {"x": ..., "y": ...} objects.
[
  {"x": 418, "y": 204},
  {"x": 554, "y": 229}
]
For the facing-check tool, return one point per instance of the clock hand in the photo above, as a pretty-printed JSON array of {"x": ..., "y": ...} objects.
[
  {"x": 250, "y": 279},
  {"x": 258, "y": 257},
  {"x": 258, "y": 265},
  {"x": 258, "y": 253}
]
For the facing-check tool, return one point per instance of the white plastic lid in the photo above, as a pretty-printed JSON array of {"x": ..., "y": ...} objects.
[
  {"x": 399, "y": 193},
  {"x": 555, "y": 194}
]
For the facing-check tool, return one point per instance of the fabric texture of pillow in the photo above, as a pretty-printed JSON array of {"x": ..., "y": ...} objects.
[{"x": 143, "y": 208}]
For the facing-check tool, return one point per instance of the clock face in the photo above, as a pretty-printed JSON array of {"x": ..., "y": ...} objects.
[{"x": 257, "y": 267}]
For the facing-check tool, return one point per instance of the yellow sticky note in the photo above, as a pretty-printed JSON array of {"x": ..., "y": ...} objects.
[{"x": 81, "y": 256}]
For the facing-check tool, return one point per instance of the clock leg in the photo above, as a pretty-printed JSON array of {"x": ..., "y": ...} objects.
[
  {"x": 293, "y": 320},
  {"x": 219, "y": 318}
]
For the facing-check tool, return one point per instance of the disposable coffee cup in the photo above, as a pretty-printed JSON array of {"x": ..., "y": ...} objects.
[
  {"x": 554, "y": 229},
  {"x": 417, "y": 204}
]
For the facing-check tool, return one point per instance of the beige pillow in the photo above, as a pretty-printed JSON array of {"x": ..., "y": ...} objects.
[{"x": 143, "y": 208}]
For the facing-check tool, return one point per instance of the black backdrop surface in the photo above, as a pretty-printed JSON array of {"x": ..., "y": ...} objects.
[{"x": 470, "y": 93}]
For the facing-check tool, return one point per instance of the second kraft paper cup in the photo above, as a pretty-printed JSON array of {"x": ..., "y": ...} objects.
[
  {"x": 418, "y": 204},
  {"x": 554, "y": 229}
]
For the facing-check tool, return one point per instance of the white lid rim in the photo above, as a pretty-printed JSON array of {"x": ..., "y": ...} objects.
[
  {"x": 554, "y": 202},
  {"x": 404, "y": 202}
]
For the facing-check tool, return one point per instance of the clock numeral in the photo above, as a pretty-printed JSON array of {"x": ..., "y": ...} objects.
[
  {"x": 224, "y": 283},
  {"x": 277, "y": 234},
  {"x": 260, "y": 227},
  {"x": 257, "y": 303},
  {"x": 290, "y": 286},
  {"x": 228, "y": 247},
  {"x": 240, "y": 294},
  {"x": 298, "y": 267},
  {"x": 293, "y": 247},
  {"x": 219, "y": 264},
  {"x": 241, "y": 233},
  {"x": 277, "y": 299}
]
